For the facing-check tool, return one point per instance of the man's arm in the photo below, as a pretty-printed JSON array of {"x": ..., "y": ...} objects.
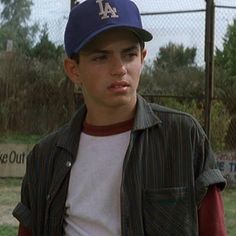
[
  {"x": 23, "y": 231},
  {"x": 211, "y": 214}
]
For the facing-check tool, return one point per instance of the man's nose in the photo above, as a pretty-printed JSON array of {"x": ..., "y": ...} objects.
[{"x": 118, "y": 67}]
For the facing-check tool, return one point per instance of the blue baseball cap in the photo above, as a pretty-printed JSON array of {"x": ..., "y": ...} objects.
[{"x": 92, "y": 17}]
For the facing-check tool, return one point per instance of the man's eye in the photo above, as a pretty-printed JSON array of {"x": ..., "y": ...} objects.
[
  {"x": 99, "y": 58},
  {"x": 131, "y": 55}
]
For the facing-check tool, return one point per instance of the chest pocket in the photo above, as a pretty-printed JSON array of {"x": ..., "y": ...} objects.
[{"x": 167, "y": 212}]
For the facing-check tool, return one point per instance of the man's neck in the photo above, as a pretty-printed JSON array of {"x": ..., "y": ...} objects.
[{"x": 106, "y": 116}]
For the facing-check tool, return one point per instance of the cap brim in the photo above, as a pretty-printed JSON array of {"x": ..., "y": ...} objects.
[{"x": 144, "y": 35}]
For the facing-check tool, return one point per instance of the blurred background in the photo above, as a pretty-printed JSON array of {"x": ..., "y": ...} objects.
[{"x": 191, "y": 66}]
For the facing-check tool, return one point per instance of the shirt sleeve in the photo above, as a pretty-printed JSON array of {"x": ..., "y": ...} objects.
[
  {"x": 211, "y": 214},
  {"x": 22, "y": 211},
  {"x": 23, "y": 231},
  {"x": 206, "y": 171}
]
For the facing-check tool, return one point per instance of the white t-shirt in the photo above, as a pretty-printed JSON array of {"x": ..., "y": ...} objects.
[{"x": 93, "y": 200}]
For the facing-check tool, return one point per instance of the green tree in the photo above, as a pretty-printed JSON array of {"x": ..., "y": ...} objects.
[
  {"x": 173, "y": 72},
  {"x": 45, "y": 49},
  {"x": 15, "y": 24},
  {"x": 225, "y": 78},
  {"x": 225, "y": 61},
  {"x": 173, "y": 56},
  {"x": 226, "y": 58}
]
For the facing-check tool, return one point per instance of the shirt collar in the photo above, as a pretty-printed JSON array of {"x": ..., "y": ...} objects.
[
  {"x": 69, "y": 138},
  {"x": 145, "y": 117}
]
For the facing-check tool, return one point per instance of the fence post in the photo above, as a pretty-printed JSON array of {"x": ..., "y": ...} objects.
[{"x": 209, "y": 62}]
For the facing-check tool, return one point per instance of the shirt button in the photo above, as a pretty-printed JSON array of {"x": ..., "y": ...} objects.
[
  {"x": 48, "y": 197},
  {"x": 68, "y": 164}
]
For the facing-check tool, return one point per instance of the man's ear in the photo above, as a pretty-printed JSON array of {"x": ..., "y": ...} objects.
[
  {"x": 143, "y": 55},
  {"x": 72, "y": 70}
]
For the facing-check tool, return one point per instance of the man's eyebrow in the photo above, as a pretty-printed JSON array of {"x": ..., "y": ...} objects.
[
  {"x": 132, "y": 48},
  {"x": 104, "y": 51},
  {"x": 95, "y": 51}
]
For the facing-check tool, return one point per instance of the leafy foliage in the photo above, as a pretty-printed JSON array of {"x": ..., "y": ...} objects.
[
  {"x": 45, "y": 49},
  {"x": 172, "y": 57},
  {"x": 36, "y": 97},
  {"x": 225, "y": 62},
  {"x": 14, "y": 25},
  {"x": 33, "y": 86},
  {"x": 173, "y": 72},
  {"x": 226, "y": 58},
  {"x": 225, "y": 78},
  {"x": 219, "y": 115}
]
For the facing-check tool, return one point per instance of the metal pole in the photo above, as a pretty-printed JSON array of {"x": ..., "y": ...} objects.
[{"x": 209, "y": 60}]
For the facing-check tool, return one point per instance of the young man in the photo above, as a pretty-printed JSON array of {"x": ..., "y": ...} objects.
[{"x": 122, "y": 166}]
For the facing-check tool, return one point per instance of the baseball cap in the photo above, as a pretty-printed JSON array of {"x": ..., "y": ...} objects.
[{"x": 92, "y": 17}]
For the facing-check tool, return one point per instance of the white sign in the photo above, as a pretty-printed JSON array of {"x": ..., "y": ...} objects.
[
  {"x": 227, "y": 165},
  {"x": 13, "y": 159},
  {"x": 9, "y": 45}
]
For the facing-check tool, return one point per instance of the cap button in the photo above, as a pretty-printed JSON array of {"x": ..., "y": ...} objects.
[{"x": 48, "y": 197}]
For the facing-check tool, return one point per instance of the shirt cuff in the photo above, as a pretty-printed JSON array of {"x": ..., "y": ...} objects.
[
  {"x": 207, "y": 178},
  {"x": 23, "y": 215}
]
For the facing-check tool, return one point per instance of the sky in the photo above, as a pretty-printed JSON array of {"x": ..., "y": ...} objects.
[{"x": 187, "y": 29}]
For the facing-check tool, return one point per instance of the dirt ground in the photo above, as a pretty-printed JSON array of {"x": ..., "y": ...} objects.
[
  {"x": 9, "y": 196},
  {"x": 6, "y": 217}
]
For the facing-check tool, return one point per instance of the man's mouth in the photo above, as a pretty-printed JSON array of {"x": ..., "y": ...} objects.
[{"x": 119, "y": 86}]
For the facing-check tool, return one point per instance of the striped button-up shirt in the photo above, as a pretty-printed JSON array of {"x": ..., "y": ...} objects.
[{"x": 167, "y": 169}]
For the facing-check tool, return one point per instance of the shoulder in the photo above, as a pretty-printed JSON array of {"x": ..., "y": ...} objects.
[
  {"x": 175, "y": 118},
  {"x": 52, "y": 138},
  {"x": 170, "y": 113},
  {"x": 46, "y": 144},
  {"x": 64, "y": 136}
]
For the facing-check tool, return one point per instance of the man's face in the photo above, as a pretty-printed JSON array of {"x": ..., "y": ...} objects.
[{"x": 109, "y": 69}]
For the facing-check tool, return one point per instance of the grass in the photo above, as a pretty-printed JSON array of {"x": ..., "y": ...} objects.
[
  {"x": 8, "y": 230},
  {"x": 10, "y": 194},
  {"x": 229, "y": 196},
  {"x": 19, "y": 138}
]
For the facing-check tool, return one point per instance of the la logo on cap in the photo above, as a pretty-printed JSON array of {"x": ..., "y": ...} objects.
[{"x": 106, "y": 11}]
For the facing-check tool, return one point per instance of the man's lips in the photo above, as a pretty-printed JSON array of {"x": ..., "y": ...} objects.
[{"x": 119, "y": 84}]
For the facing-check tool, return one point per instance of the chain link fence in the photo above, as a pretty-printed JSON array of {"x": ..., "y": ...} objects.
[
  {"x": 36, "y": 97},
  {"x": 184, "y": 23},
  {"x": 224, "y": 38},
  {"x": 173, "y": 24}
]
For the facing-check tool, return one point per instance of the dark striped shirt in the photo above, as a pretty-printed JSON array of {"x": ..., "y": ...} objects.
[{"x": 167, "y": 169}]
